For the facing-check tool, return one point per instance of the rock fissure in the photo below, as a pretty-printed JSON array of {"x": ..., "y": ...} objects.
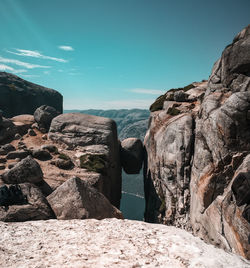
[{"x": 223, "y": 228}]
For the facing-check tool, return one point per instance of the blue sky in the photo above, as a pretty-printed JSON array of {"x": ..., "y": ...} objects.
[{"x": 113, "y": 54}]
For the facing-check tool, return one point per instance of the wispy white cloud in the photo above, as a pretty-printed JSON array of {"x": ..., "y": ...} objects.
[
  {"x": 21, "y": 63},
  {"x": 7, "y": 68},
  {"x": 66, "y": 48},
  {"x": 19, "y": 71},
  {"x": 146, "y": 91},
  {"x": 35, "y": 54},
  {"x": 30, "y": 75},
  {"x": 4, "y": 67}
]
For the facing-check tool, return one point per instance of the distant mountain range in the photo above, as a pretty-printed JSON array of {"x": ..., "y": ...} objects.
[{"x": 130, "y": 123}]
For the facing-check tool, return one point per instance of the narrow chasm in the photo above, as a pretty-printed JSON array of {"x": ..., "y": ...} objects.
[
  {"x": 132, "y": 157},
  {"x": 132, "y": 201}
]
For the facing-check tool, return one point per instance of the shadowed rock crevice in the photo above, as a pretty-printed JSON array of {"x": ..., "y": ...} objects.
[{"x": 154, "y": 205}]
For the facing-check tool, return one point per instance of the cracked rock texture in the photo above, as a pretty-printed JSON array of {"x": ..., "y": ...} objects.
[
  {"x": 36, "y": 207},
  {"x": 75, "y": 199},
  {"x": 81, "y": 146},
  {"x": 95, "y": 140},
  {"x": 106, "y": 243},
  {"x": 198, "y": 154}
]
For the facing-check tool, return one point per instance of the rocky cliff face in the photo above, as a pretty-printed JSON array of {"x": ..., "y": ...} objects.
[
  {"x": 15, "y": 92},
  {"x": 198, "y": 151}
]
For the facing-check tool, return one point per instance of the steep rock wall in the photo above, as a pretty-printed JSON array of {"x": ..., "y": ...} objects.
[{"x": 198, "y": 147}]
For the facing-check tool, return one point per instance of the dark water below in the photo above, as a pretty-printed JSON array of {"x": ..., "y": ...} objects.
[{"x": 132, "y": 206}]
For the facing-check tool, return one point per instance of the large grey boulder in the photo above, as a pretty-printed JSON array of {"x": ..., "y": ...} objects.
[
  {"x": 44, "y": 115},
  {"x": 197, "y": 174},
  {"x": 75, "y": 199},
  {"x": 130, "y": 122},
  {"x": 35, "y": 207},
  {"x": 18, "y": 96},
  {"x": 132, "y": 155},
  {"x": 75, "y": 129},
  {"x": 23, "y": 122},
  {"x": 95, "y": 138},
  {"x": 27, "y": 170}
]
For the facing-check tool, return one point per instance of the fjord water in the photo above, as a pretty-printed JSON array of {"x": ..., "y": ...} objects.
[
  {"x": 132, "y": 202},
  {"x": 132, "y": 206}
]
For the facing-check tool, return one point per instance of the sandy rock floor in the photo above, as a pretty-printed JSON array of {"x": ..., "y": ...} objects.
[
  {"x": 106, "y": 243},
  {"x": 53, "y": 175}
]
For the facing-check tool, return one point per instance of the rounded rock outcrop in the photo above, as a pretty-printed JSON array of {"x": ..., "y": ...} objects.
[
  {"x": 28, "y": 170},
  {"x": 131, "y": 155},
  {"x": 44, "y": 115},
  {"x": 15, "y": 92}
]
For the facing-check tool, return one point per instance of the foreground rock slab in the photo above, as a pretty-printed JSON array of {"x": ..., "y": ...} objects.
[{"x": 106, "y": 243}]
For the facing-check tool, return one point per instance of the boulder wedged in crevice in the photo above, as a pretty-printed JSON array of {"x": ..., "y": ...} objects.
[{"x": 132, "y": 155}]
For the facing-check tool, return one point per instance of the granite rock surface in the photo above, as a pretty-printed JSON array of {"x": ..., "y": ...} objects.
[
  {"x": 107, "y": 243},
  {"x": 198, "y": 147}
]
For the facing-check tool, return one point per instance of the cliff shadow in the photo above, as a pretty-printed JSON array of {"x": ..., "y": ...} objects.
[{"x": 152, "y": 200}]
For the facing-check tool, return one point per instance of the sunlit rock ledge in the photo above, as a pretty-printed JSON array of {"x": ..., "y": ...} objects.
[{"x": 106, "y": 243}]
